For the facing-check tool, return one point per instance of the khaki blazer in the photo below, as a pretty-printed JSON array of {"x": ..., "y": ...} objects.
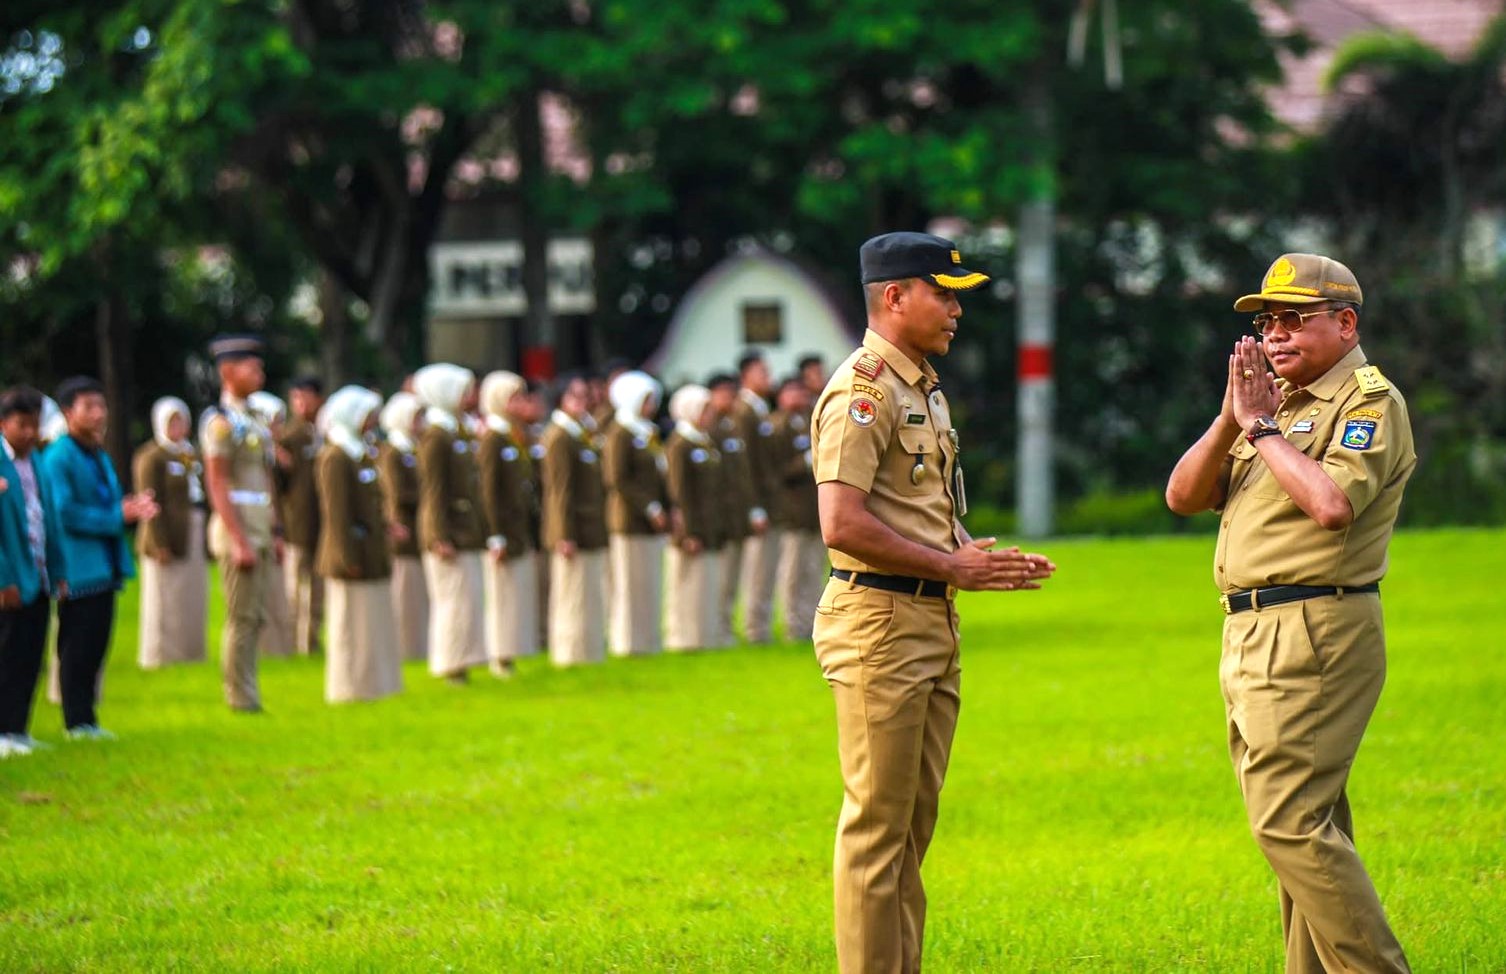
[
  {"x": 352, "y": 544},
  {"x": 449, "y": 491},
  {"x": 696, "y": 486},
  {"x": 574, "y": 497},
  {"x": 399, "y": 480},
  {"x": 296, "y": 496},
  {"x": 166, "y": 475},
  {"x": 508, "y": 494},
  {"x": 635, "y": 483}
]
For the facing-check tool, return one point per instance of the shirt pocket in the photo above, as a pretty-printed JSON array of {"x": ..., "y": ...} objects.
[{"x": 917, "y": 467}]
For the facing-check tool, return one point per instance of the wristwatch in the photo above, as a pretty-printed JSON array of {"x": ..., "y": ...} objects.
[{"x": 1263, "y": 426}]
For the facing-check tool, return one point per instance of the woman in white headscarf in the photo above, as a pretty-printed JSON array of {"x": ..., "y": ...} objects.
[
  {"x": 174, "y": 578},
  {"x": 509, "y": 495},
  {"x": 633, "y": 468},
  {"x": 361, "y": 658},
  {"x": 402, "y": 421},
  {"x": 696, "y": 492},
  {"x": 277, "y": 630},
  {"x": 451, "y": 534}
]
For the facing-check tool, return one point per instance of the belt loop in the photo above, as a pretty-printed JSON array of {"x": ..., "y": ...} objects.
[
  {"x": 1255, "y": 599},
  {"x": 1338, "y": 592},
  {"x": 920, "y": 585}
]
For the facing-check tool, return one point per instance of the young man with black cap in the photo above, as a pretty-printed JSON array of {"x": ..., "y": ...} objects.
[
  {"x": 890, "y": 491},
  {"x": 244, "y": 533}
]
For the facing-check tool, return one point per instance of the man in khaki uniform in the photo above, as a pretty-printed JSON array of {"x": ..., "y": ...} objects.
[
  {"x": 755, "y": 427},
  {"x": 886, "y": 632},
  {"x": 243, "y": 531},
  {"x": 1308, "y": 474},
  {"x": 802, "y": 556},
  {"x": 298, "y": 502}
]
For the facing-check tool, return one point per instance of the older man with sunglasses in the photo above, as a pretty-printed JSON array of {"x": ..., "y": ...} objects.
[{"x": 1307, "y": 467}]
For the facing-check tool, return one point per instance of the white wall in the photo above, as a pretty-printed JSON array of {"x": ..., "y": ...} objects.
[{"x": 706, "y": 333}]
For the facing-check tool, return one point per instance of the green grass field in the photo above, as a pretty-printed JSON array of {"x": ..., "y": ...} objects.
[{"x": 676, "y": 813}]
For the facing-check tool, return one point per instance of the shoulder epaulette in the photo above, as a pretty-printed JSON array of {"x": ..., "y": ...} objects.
[
  {"x": 868, "y": 365},
  {"x": 1372, "y": 383}
]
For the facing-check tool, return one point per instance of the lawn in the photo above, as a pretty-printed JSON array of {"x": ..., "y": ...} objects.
[{"x": 676, "y": 813}]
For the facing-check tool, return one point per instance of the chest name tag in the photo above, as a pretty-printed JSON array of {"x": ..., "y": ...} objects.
[
  {"x": 1358, "y": 434},
  {"x": 915, "y": 419}
]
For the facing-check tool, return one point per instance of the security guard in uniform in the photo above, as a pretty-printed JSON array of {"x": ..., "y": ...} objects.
[
  {"x": 244, "y": 535},
  {"x": 1308, "y": 474},
  {"x": 886, "y": 633}
]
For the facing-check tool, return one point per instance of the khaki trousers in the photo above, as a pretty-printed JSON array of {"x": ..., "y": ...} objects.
[
  {"x": 362, "y": 661},
  {"x": 802, "y": 566},
  {"x": 277, "y": 634},
  {"x": 635, "y": 577},
  {"x": 892, "y": 663},
  {"x": 305, "y": 598},
  {"x": 1300, "y": 681},
  {"x": 760, "y": 562},
  {"x": 245, "y": 612},
  {"x": 730, "y": 581},
  {"x": 410, "y": 606},
  {"x": 457, "y": 638},
  {"x": 174, "y": 602},
  {"x": 691, "y": 616},
  {"x": 512, "y": 606},
  {"x": 577, "y": 608}
]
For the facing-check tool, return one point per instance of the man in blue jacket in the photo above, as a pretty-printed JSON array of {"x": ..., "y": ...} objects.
[
  {"x": 93, "y": 516},
  {"x": 31, "y": 566}
]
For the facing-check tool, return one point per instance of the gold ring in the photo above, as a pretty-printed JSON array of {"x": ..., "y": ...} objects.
[{"x": 1249, "y": 374}]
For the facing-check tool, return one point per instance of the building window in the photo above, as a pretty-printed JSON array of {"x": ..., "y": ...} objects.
[{"x": 763, "y": 323}]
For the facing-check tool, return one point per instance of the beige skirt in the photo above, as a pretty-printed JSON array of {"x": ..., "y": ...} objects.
[
  {"x": 636, "y": 581},
  {"x": 277, "y": 633},
  {"x": 457, "y": 638},
  {"x": 174, "y": 601},
  {"x": 802, "y": 577},
  {"x": 729, "y": 578},
  {"x": 512, "y": 606},
  {"x": 692, "y": 590},
  {"x": 410, "y": 607},
  {"x": 577, "y": 608},
  {"x": 361, "y": 657}
]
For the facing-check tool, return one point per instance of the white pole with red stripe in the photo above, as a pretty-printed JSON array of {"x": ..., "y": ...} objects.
[{"x": 1035, "y": 272}]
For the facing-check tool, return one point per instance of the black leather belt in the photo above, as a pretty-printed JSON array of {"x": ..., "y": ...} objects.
[
  {"x": 1260, "y": 598},
  {"x": 927, "y": 587}
]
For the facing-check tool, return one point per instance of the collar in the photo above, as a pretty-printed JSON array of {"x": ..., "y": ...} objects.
[
  {"x": 353, "y": 445},
  {"x": 231, "y": 403},
  {"x": 400, "y": 441},
  {"x": 692, "y": 433},
  {"x": 498, "y": 424},
  {"x": 562, "y": 419},
  {"x": 10, "y": 451},
  {"x": 444, "y": 420},
  {"x": 1327, "y": 385},
  {"x": 902, "y": 364},
  {"x": 637, "y": 425},
  {"x": 755, "y": 402}
]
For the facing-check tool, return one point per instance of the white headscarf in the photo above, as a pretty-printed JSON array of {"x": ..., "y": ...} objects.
[
  {"x": 398, "y": 417},
  {"x": 342, "y": 416},
  {"x": 440, "y": 387},
  {"x": 267, "y": 407},
  {"x": 54, "y": 424},
  {"x": 163, "y": 411},
  {"x": 685, "y": 408},
  {"x": 497, "y": 390},
  {"x": 629, "y": 393}
]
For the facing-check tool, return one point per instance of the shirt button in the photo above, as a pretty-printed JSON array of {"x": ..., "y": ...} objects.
[{"x": 1286, "y": 412}]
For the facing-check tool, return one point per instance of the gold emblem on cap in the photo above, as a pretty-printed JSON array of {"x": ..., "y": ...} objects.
[
  {"x": 956, "y": 256},
  {"x": 1282, "y": 272}
]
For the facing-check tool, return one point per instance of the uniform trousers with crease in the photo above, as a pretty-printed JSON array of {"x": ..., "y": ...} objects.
[
  {"x": 577, "y": 607},
  {"x": 512, "y": 605},
  {"x": 692, "y": 619},
  {"x": 245, "y": 591},
  {"x": 457, "y": 612},
  {"x": 892, "y": 661},
  {"x": 760, "y": 563},
  {"x": 637, "y": 571},
  {"x": 305, "y": 599},
  {"x": 802, "y": 566},
  {"x": 1300, "y": 681}
]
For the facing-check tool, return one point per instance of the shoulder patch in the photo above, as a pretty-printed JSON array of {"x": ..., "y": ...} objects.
[
  {"x": 218, "y": 428},
  {"x": 868, "y": 365},
  {"x": 862, "y": 412},
  {"x": 868, "y": 390},
  {"x": 1358, "y": 434},
  {"x": 1371, "y": 381},
  {"x": 1363, "y": 414}
]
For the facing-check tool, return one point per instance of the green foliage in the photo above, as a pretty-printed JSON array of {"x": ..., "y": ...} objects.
[{"x": 676, "y": 813}]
